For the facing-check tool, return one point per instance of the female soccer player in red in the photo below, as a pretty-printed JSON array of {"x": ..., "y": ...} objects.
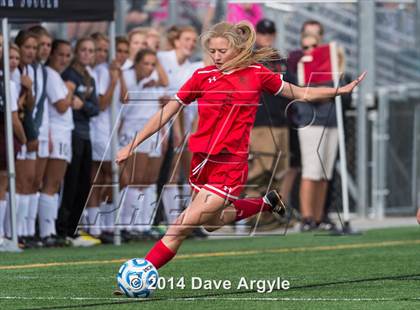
[{"x": 227, "y": 94}]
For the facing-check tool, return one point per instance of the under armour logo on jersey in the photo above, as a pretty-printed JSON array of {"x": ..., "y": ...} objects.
[{"x": 212, "y": 79}]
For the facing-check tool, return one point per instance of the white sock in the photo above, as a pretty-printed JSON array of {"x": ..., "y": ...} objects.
[
  {"x": 107, "y": 216},
  {"x": 137, "y": 207},
  {"x": 94, "y": 223},
  {"x": 149, "y": 209},
  {"x": 130, "y": 208},
  {"x": 121, "y": 216},
  {"x": 3, "y": 206},
  {"x": 102, "y": 212},
  {"x": 7, "y": 219},
  {"x": 57, "y": 206},
  {"x": 32, "y": 213},
  {"x": 170, "y": 199},
  {"x": 54, "y": 213},
  {"x": 22, "y": 203},
  {"x": 46, "y": 211},
  {"x": 84, "y": 222}
]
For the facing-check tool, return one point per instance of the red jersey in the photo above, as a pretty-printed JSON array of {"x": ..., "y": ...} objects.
[{"x": 227, "y": 105}]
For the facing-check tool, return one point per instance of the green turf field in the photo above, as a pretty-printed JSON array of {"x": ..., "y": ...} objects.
[{"x": 377, "y": 270}]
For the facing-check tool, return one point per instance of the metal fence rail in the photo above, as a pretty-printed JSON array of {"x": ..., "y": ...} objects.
[{"x": 395, "y": 156}]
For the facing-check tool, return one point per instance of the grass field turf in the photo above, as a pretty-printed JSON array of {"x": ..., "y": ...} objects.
[{"x": 379, "y": 269}]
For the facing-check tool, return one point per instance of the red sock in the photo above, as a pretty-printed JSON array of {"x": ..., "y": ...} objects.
[
  {"x": 160, "y": 254},
  {"x": 248, "y": 207}
]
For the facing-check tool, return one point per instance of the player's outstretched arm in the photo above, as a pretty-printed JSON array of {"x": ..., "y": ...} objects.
[
  {"x": 318, "y": 93},
  {"x": 158, "y": 120}
]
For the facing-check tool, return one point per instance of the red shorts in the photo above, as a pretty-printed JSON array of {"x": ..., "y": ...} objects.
[{"x": 223, "y": 174}]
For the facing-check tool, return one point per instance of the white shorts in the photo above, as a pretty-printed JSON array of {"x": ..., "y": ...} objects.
[
  {"x": 25, "y": 155},
  {"x": 152, "y": 146},
  {"x": 101, "y": 147},
  {"x": 43, "y": 149},
  {"x": 61, "y": 145},
  {"x": 318, "y": 147}
]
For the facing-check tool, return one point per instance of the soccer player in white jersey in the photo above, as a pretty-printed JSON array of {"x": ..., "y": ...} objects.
[
  {"x": 24, "y": 76},
  {"x": 141, "y": 173},
  {"x": 179, "y": 68},
  {"x": 19, "y": 134},
  {"x": 44, "y": 146},
  {"x": 138, "y": 39},
  {"x": 108, "y": 81},
  {"x": 61, "y": 100}
]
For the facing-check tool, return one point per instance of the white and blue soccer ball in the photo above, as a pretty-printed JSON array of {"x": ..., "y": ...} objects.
[{"x": 138, "y": 278}]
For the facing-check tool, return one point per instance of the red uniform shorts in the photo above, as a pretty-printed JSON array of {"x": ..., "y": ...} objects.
[{"x": 222, "y": 174}]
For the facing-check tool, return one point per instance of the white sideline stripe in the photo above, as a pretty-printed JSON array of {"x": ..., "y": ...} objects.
[{"x": 359, "y": 299}]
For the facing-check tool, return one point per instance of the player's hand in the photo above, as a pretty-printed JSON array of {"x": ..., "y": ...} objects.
[
  {"x": 347, "y": 89},
  {"x": 26, "y": 81},
  {"x": 32, "y": 146},
  {"x": 70, "y": 86},
  {"x": 77, "y": 103},
  {"x": 418, "y": 216},
  {"x": 123, "y": 154}
]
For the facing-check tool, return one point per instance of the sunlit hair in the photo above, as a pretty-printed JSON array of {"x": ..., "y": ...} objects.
[
  {"x": 87, "y": 79},
  {"x": 241, "y": 36},
  {"x": 40, "y": 31},
  {"x": 14, "y": 47},
  {"x": 309, "y": 35},
  {"x": 175, "y": 32},
  {"x": 23, "y": 36},
  {"x": 99, "y": 36},
  {"x": 135, "y": 31}
]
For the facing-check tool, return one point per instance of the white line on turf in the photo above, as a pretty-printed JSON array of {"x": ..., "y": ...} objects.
[
  {"x": 350, "y": 246},
  {"x": 349, "y": 299}
]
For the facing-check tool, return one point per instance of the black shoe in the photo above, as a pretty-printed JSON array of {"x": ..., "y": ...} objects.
[
  {"x": 29, "y": 242},
  {"x": 48, "y": 242},
  {"x": 22, "y": 244},
  {"x": 107, "y": 237},
  {"x": 33, "y": 242},
  {"x": 54, "y": 241},
  {"x": 128, "y": 236},
  {"x": 307, "y": 225},
  {"x": 273, "y": 199},
  {"x": 327, "y": 225},
  {"x": 198, "y": 233}
]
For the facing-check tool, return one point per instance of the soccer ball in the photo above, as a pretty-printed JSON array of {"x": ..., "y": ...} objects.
[{"x": 138, "y": 278}]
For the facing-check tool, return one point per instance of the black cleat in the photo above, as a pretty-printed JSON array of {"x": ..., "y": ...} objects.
[
  {"x": 273, "y": 199},
  {"x": 307, "y": 225}
]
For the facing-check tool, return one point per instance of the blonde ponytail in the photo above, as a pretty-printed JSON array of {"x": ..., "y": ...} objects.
[{"x": 241, "y": 36}]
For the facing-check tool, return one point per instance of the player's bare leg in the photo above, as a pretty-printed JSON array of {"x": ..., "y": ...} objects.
[{"x": 202, "y": 209}]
